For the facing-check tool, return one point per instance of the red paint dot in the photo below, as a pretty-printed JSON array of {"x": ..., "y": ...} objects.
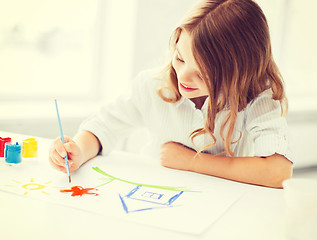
[{"x": 79, "y": 191}]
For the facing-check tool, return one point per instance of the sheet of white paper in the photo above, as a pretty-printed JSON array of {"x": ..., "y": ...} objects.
[{"x": 129, "y": 187}]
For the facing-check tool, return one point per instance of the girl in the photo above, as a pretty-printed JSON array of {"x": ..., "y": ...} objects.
[{"x": 217, "y": 108}]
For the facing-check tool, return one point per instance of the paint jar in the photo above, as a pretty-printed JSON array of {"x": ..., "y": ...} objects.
[
  {"x": 3, "y": 142},
  {"x": 13, "y": 153},
  {"x": 29, "y": 148}
]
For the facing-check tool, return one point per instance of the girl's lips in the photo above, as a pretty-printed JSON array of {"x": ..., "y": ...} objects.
[{"x": 187, "y": 89}]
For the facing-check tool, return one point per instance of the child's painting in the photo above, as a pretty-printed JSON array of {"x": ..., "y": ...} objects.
[{"x": 130, "y": 189}]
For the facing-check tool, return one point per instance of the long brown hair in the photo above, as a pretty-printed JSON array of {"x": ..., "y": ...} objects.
[{"x": 232, "y": 48}]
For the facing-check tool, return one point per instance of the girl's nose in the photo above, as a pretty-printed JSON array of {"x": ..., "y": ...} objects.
[{"x": 184, "y": 75}]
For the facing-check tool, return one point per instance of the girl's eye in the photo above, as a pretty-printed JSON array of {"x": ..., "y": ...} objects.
[{"x": 178, "y": 59}]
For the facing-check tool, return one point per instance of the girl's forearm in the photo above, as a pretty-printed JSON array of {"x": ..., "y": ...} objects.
[{"x": 269, "y": 171}]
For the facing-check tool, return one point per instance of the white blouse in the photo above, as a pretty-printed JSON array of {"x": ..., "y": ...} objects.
[{"x": 264, "y": 131}]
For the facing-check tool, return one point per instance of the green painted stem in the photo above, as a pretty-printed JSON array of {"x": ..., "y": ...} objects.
[
  {"x": 97, "y": 169},
  {"x": 105, "y": 183}
]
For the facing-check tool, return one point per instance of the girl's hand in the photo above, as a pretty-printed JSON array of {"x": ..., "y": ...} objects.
[
  {"x": 177, "y": 156},
  {"x": 58, "y": 152}
]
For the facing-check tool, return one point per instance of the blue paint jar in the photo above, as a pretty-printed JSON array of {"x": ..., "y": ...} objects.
[{"x": 13, "y": 153}]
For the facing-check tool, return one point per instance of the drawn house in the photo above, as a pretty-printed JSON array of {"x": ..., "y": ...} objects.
[{"x": 143, "y": 198}]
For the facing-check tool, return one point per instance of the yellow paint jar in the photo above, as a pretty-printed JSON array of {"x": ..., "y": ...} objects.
[{"x": 29, "y": 148}]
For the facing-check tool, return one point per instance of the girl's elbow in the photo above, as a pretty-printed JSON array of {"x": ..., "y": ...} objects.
[
  {"x": 282, "y": 170},
  {"x": 278, "y": 183}
]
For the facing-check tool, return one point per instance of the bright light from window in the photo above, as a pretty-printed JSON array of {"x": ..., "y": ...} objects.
[
  {"x": 294, "y": 42},
  {"x": 300, "y": 49},
  {"x": 48, "y": 48}
]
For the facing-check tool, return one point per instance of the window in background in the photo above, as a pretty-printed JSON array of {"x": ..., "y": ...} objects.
[
  {"x": 294, "y": 40},
  {"x": 299, "y": 62},
  {"x": 155, "y": 21},
  {"x": 49, "y": 48}
]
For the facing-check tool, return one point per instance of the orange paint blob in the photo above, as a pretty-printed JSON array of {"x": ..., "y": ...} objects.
[{"x": 79, "y": 191}]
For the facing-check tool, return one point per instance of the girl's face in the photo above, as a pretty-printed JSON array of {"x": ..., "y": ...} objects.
[{"x": 190, "y": 82}]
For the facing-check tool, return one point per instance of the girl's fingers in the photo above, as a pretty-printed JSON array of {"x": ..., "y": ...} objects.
[
  {"x": 60, "y": 149},
  {"x": 72, "y": 166},
  {"x": 72, "y": 147},
  {"x": 67, "y": 139},
  {"x": 59, "y": 163},
  {"x": 57, "y": 158},
  {"x": 58, "y": 152}
]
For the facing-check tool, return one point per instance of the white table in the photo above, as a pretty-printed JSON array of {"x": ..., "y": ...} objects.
[{"x": 258, "y": 214}]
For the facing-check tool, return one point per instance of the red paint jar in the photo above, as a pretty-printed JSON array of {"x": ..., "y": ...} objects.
[{"x": 3, "y": 142}]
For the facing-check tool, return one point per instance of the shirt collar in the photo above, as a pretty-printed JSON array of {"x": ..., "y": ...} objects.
[
  {"x": 188, "y": 102},
  {"x": 205, "y": 105}
]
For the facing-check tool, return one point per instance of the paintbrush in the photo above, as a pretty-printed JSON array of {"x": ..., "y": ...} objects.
[{"x": 63, "y": 140}]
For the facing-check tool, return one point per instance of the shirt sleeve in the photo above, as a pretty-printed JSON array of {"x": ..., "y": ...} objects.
[
  {"x": 267, "y": 127},
  {"x": 119, "y": 118}
]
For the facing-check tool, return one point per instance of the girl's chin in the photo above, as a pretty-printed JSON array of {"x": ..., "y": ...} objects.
[
  {"x": 189, "y": 95},
  {"x": 193, "y": 95}
]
